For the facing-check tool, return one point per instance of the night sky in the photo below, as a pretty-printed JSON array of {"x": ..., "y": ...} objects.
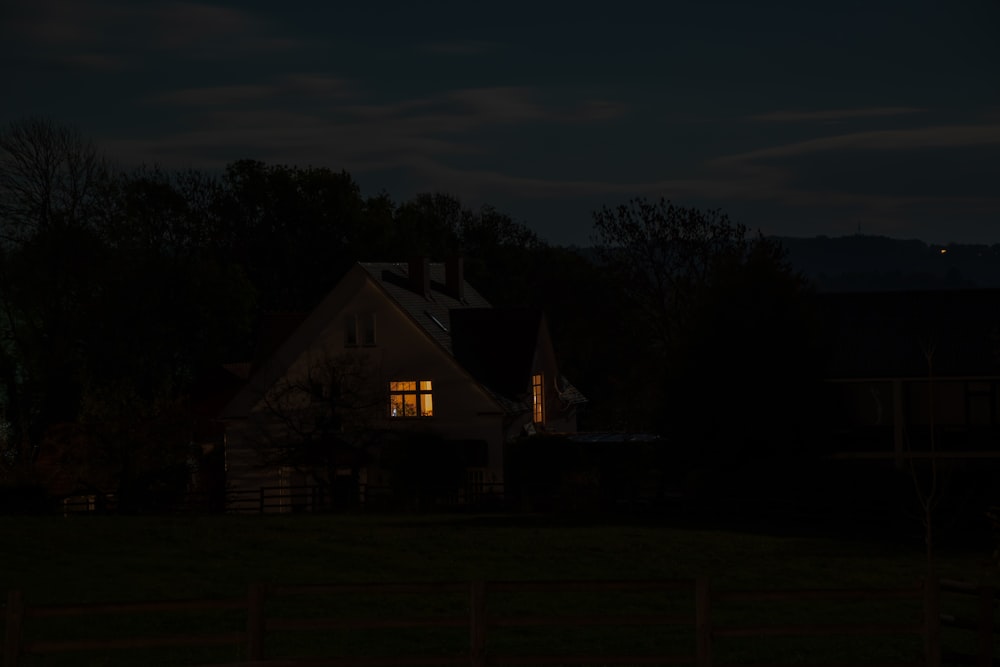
[{"x": 796, "y": 118}]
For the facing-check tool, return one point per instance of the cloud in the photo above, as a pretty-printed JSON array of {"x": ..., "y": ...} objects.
[
  {"x": 52, "y": 22},
  {"x": 312, "y": 86},
  {"x": 922, "y": 137},
  {"x": 325, "y": 110},
  {"x": 598, "y": 110},
  {"x": 832, "y": 114},
  {"x": 319, "y": 85},
  {"x": 212, "y": 95},
  {"x": 500, "y": 104},
  {"x": 346, "y": 137},
  {"x": 461, "y": 47},
  {"x": 433, "y": 173},
  {"x": 109, "y": 34},
  {"x": 895, "y": 177},
  {"x": 468, "y": 142},
  {"x": 433, "y": 142},
  {"x": 99, "y": 62},
  {"x": 203, "y": 29}
]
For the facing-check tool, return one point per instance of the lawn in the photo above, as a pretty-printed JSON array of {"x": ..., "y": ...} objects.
[{"x": 92, "y": 558}]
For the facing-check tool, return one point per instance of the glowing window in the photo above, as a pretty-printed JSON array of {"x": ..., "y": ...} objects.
[
  {"x": 537, "y": 402},
  {"x": 411, "y": 398}
]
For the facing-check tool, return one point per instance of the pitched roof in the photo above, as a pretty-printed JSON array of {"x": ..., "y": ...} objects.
[
  {"x": 495, "y": 346},
  {"x": 431, "y": 311}
]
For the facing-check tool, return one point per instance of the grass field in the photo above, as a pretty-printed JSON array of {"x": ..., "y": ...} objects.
[{"x": 91, "y": 559}]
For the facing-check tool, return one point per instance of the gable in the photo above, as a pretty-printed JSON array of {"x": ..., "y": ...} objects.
[
  {"x": 314, "y": 327},
  {"x": 431, "y": 310},
  {"x": 406, "y": 343}
]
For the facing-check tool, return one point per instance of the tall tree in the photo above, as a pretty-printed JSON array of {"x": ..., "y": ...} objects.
[
  {"x": 731, "y": 336},
  {"x": 290, "y": 228},
  {"x": 50, "y": 176},
  {"x": 113, "y": 299},
  {"x": 48, "y": 287},
  {"x": 500, "y": 256},
  {"x": 666, "y": 255},
  {"x": 174, "y": 213},
  {"x": 429, "y": 224},
  {"x": 322, "y": 421}
]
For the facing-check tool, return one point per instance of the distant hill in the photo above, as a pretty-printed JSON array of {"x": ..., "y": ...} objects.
[
  {"x": 878, "y": 263},
  {"x": 872, "y": 263}
]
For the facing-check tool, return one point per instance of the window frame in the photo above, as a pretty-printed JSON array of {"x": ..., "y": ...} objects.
[
  {"x": 538, "y": 398},
  {"x": 422, "y": 394},
  {"x": 360, "y": 329}
]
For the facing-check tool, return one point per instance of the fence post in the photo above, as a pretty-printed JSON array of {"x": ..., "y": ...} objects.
[
  {"x": 703, "y": 621},
  {"x": 255, "y": 622},
  {"x": 477, "y": 624},
  {"x": 986, "y": 597},
  {"x": 12, "y": 637},
  {"x": 932, "y": 621}
]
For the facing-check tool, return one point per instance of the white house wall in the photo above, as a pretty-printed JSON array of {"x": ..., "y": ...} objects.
[{"x": 462, "y": 409}]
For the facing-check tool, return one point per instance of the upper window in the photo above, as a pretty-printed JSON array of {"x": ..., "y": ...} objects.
[
  {"x": 537, "y": 399},
  {"x": 359, "y": 329},
  {"x": 411, "y": 398}
]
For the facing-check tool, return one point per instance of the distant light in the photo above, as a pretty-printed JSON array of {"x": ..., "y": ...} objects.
[{"x": 944, "y": 251}]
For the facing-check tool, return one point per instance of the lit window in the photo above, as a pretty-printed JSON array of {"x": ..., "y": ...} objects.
[
  {"x": 537, "y": 409},
  {"x": 411, "y": 398},
  {"x": 359, "y": 329}
]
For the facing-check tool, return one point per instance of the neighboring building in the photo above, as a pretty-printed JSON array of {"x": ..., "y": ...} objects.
[
  {"x": 904, "y": 361},
  {"x": 394, "y": 348}
]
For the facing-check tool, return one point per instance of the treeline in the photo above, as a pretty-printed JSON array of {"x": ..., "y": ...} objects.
[{"x": 121, "y": 289}]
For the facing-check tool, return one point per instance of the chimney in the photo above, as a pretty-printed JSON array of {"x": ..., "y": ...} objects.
[
  {"x": 419, "y": 272},
  {"x": 454, "y": 277}
]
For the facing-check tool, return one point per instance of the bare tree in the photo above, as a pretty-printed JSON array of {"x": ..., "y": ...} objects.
[
  {"x": 707, "y": 299},
  {"x": 665, "y": 254},
  {"x": 323, "y": 420},
  {"x": 49, "y": 177},
  {"x": 50, "y": 182}
]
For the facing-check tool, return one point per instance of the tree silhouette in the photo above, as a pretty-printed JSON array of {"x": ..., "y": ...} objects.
[
  {"x": 112, "y": 302},
  {"x": 321, "y": 420},
  {"x": 723, "y": 329},
  {"x": 50, "y": 176}
]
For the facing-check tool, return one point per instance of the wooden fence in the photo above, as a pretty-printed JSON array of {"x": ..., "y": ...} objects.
[
  {"x": 313, "y": 499},
  {"x": 298, "y": 499},
  {"x": 698, "y": 621}
]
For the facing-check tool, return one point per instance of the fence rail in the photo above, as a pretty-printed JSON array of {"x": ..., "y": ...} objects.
[
  {"x": 483, "y": 615},
  {"x": 312, "y": 498},
  {"x": 17, "y": 612}
]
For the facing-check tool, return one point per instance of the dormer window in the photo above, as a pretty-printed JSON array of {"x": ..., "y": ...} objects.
[
  {"x": 359, "y": 329},
  {"x": 411, "y": 398},
  {"x": 537, "y": 399}
]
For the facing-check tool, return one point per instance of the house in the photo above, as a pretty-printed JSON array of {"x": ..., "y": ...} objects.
[
  {"x": 395, "y": 355},
  {"x": 906, "y": 364}
]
